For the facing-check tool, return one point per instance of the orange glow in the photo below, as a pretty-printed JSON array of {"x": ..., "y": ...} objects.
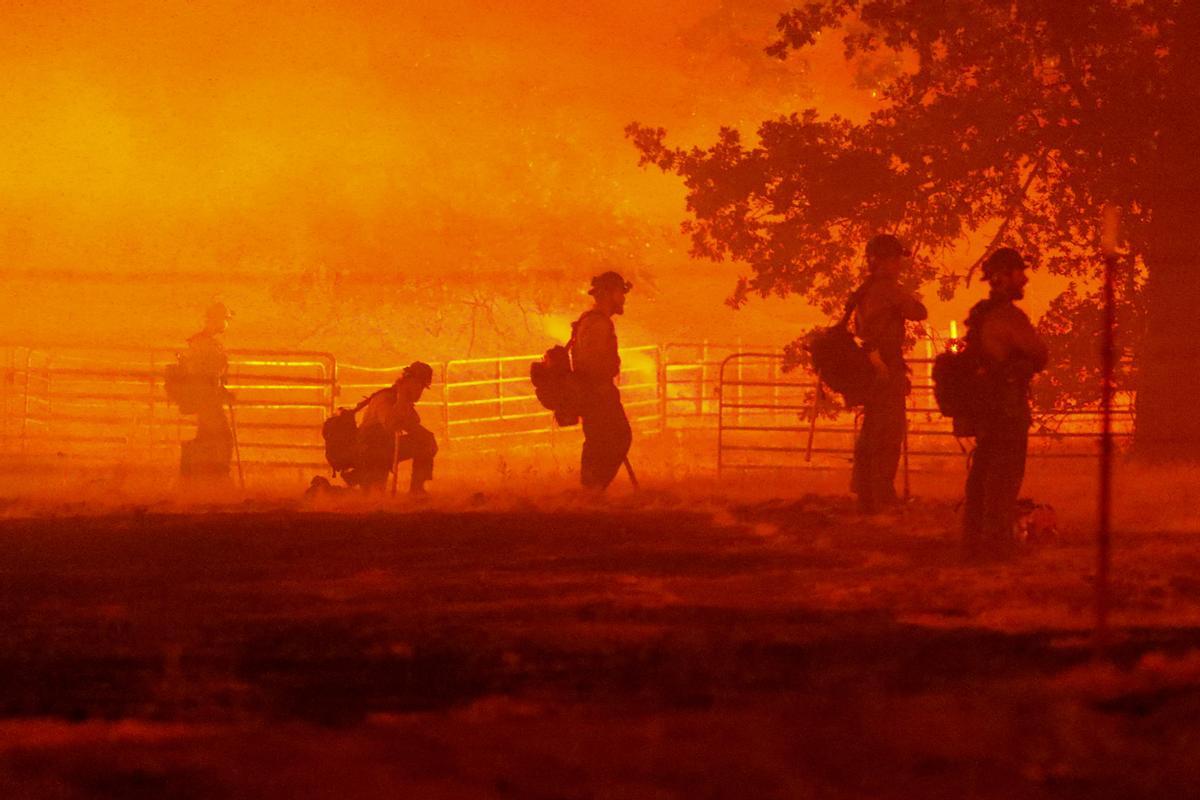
[
  {"x": 374, "y": 181},
  {"x": 157, "y": 155}
]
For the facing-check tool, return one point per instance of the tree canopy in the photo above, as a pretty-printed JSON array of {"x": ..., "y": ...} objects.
[{"x": 1010, "y": 121}]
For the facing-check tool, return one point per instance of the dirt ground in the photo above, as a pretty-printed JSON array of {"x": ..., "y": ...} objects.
[{"x": 769, "y": 649}]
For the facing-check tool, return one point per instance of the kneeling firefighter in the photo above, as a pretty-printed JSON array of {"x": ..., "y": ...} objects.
[{"x": 390, "y": 432}]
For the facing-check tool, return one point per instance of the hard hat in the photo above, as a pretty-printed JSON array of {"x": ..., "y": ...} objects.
[
  {"x": 885, "y": 245},
  {"x": 1006, "y": 259},
  {"x": 218, "y": 311},
  {"x": 609, "y": 280},
  {"x": 420, "y": 372}
]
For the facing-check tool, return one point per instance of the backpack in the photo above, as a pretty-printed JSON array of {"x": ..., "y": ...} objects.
[
  {"x": 958, "y": 385},
  {"x": 180, "y": 387},
  {"x": 961, "y": 386},
  {"x": 340, "y": 433},
  {"x": 555, "y": 383},
  {"x": 839, "y": 360}
]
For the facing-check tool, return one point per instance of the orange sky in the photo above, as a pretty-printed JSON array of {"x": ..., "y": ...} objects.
[{"x": 158, "y": 154}]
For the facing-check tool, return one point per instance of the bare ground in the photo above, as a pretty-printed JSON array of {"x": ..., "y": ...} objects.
[{"x": 766, "y": 650}]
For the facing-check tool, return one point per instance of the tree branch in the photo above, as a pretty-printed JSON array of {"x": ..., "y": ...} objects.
[{"x": 1014, "y": 206}]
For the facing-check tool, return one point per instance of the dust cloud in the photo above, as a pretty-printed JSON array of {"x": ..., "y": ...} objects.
[{"x": 366, "y": 178}]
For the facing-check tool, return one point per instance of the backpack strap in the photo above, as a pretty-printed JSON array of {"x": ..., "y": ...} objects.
[
  {"x": 852, "y": 304},
  {"x": 976, "y": 317},
  {"x": 367, "y": 400},
  {"x": 575, "y": 328}
]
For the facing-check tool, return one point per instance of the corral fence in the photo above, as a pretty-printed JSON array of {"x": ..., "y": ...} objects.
[
  {"x": 489, "y": 402},
  {"x": 109, "y": 406},
  {"x": 768, "y": 419}
]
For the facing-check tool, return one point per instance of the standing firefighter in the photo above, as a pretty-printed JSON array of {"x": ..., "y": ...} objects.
[
  {"x": 202, "y": 372},
  {"x": 606, "y": 432},
  {"x": 391, "y": 432},
  {"x": 1010, "y": 352},
  {"x": 882, "y": 306}
]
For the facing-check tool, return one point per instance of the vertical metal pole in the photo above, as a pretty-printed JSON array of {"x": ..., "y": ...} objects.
[
  {"x": 930, "y": 400},
  {"x": 1104, "y": 531},
  {"x": 720, "y": 414},
  {"x": 1110, "y": 244},
  {"x": 333, "y": 385},
  {"x": 907, "y": 480},
  {"x": 741, "y": 389}
]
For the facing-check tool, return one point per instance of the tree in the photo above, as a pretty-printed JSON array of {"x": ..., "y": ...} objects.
[{"x": 1012, "y": 119}]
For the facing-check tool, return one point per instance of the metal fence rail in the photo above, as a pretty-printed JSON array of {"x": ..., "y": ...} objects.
[
  {"x": 282, "y": 399},
  {"x": 490, "y": 400},
  {"x": 109, "y": 406},
  {"x": 690, "y": 380},
  {"x": 770, "y": 420}
]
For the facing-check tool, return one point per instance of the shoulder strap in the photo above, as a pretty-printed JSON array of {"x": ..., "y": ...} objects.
[
  {"x": 977, "y": 314},
  {"x": 974, "y": 322},
  {"x": 575, "y": 327},
  {"x": 367, "y": 400},
  {"x": 852, "y": 304}
]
